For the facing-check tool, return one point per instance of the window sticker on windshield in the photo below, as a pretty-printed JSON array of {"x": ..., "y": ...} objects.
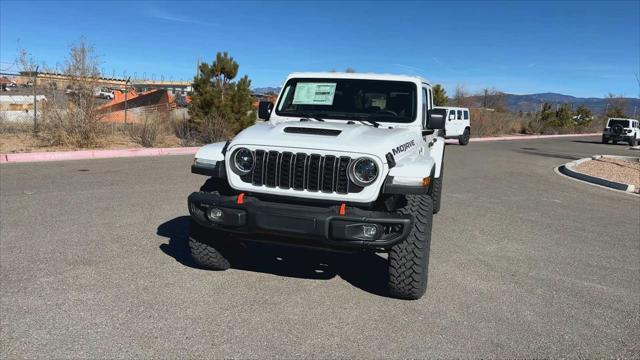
[{"x": 314, "y": 94}]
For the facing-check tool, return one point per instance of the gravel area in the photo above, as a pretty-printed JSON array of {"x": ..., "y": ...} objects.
[{"x": 622, "y": 171}]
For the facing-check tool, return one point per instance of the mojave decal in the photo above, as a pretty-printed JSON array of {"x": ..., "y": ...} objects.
[{"x": 401, "y": 148}]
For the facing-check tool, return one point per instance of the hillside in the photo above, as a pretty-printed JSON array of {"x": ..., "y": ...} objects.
[{"x": 533, "y": 102}]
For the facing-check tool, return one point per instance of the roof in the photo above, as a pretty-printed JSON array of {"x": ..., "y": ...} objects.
[
  {"x": 20, "y": 99},
  {"x": 5, "y": 80},
  {"x": 373, "y": 76}
]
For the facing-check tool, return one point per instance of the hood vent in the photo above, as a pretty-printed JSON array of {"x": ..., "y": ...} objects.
[{"x": 312, "y": 131}]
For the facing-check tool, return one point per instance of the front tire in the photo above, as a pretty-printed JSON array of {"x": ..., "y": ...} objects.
[
  {"x": 436, "y": 190},
  {"x": 409, "y": 260},
  {"x": 464, "y": 138},
  {"x": 206, "y": 247}
]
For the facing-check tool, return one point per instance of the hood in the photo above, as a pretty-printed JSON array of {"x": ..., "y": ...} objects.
[{"x": 333, "y": 136}]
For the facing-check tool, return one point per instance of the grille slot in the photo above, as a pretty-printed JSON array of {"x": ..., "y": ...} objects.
[{"x": 300, "y": 171}]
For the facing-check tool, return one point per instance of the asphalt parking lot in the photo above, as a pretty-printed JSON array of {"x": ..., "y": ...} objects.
[{"x": 524, "y": 263}]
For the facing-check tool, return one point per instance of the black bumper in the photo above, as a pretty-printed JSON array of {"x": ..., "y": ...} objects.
[{"x": 316, "y": 226}]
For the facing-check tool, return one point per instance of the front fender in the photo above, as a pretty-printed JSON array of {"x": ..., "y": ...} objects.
[{"x": 212, "y": 152}]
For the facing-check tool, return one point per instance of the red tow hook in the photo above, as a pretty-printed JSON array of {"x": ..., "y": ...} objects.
[
  {"x": 240, "y": 199},
  {"x": 343, "y": 209}
]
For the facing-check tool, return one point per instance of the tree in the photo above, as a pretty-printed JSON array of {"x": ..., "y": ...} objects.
[
  {"x": 493, "y": 99},
  {"x": 564, "y": 117},
  {"x": 79, "y": 123},
  {"x": 440, "y": 97},
  {"x": 546, "y": 114},
  {"x": 461, "y": 98},
  {"x": 218, "y": 101},
  {"x": 615, "y": 106},
  {"x": 350, "y": 70},
  {"x": 582, "y": 114}
]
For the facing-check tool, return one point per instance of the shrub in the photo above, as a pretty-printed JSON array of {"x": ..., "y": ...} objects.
[{"x": 147, "y": 132}]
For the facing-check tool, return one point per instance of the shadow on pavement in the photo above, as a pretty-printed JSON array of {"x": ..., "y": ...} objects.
[
  {"x": 623, "y": 143},
  {"x": 535, "y": 151},
  {"x": 366, "y": 271}
]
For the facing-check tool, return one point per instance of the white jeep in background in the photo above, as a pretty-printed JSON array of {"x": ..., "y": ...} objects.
[
  {"x": 347, "y": 162},
  {"x": 621, "y": 130},
  {"x": 458, "y": 124}
]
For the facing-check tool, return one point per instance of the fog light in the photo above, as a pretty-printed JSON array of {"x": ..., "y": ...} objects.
[
  {"x": 214, "y": 214},
  {"x": 369, "y": 231}
]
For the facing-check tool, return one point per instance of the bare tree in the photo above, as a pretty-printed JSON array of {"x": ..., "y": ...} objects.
[
  {"x": 79, "y": 123},
  {"x": 616, "y": 105},
  {"x": 461, "y": 97},
  {"x": 493, "y": 99}
]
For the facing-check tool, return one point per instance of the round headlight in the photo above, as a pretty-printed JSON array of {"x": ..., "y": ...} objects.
[
  {"x": 243, "y": 160},
  {"x": 363, "y": 171}
]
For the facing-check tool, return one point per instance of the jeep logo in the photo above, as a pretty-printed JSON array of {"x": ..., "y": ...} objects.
[{"x": 404, "y": 147}]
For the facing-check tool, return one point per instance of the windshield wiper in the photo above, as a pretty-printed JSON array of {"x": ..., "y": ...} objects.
[{"x": 308, "y": 116}]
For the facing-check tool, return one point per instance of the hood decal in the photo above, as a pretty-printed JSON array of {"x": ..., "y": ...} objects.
[{"x": 404, "y": 147}]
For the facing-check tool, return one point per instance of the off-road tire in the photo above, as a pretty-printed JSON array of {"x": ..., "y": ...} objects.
[
  {"x": 605, "y": 139},
  {"x": 633, "y": 141},
  {"x": 204, "y": 250},
  {"x": 464, "y": 138},
  {"x": 436, "y": 190},
  {"x": 615, "y": 142},
  {"x": 409, "y": 260}
]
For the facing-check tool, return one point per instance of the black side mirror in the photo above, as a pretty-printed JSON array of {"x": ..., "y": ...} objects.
[
  {"x": 264, "y": 110},
  {"x": 437, "y": 118}
]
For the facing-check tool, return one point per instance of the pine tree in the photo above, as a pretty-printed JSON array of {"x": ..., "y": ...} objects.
[
  {"x": 217, "y": 100},
  {"x": 440, "y": 97}
]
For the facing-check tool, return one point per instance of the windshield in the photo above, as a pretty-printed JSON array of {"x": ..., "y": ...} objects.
[
  {"x": 377, "y": 100},
  {"x": 624, "y": 123}
]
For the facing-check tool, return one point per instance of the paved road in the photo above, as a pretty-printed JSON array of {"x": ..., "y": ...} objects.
[{"x": 525, "y": 263}]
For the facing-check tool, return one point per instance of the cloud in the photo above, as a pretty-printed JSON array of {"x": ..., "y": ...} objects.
[
  {"x": 154, "y": 12},
  {"x": 436, "y": 60},
  {"x": 531, "y": 65}
]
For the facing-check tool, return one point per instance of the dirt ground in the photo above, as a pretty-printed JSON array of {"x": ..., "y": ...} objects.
[{"x": 622, "y": 171}]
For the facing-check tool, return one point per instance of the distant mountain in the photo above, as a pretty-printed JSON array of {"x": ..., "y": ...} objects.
[
  {"x": 533, "y": 102},
  {"x": 265, "y": 90}
]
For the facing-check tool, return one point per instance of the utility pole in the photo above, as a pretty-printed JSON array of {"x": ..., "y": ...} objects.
[
  {"x": 35, "y": 102},
  {"x": 126, "y": 92}
]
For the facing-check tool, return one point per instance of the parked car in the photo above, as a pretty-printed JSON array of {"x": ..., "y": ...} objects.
[
  {"x": 618, "y": 129},
  {"x": 344, "y": 161},
  {"x": 458, "y": 124}
]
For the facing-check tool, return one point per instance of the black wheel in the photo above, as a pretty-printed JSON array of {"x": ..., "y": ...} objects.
[
  {"x": 615, "y": 142},
  {"x": 207, "y": 247},
  {"x": 633, "y": 141},
  {"x": 436, "y": 190},
  {"x": 605, "y": 139},
  {"x": 409, "y": 260},
  {"x": 464, "y": 138}
]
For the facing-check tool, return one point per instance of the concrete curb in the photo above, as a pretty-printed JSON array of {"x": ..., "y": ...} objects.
[
  {"x": 106, "y": 154},
  {"x": 528, "y": 137},
  {"x": 568, "y": 170},
  {"x": 93, "y": 154}
]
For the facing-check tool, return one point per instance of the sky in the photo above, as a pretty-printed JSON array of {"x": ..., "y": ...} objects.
[{"x": 578, "y": 48}]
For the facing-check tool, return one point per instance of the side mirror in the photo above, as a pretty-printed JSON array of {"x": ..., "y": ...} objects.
[
  {"x": 436, "y": 118},
  {"x": 264, "y": 110},
  {"x": 452, "y": 117}
]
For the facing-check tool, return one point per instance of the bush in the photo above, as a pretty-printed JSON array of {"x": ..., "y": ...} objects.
[
  {"x": 76, "y": 127},
  {"x": 184, "y": 131},
  {"x": 491, "y": 123},
  {"x": 148, "y": 132}
]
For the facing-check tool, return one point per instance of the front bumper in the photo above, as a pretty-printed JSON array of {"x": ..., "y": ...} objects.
[{"x": 315, "y": 226}]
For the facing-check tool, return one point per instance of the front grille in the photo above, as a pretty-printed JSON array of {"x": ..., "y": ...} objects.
[{"x": 300, "y": 171}]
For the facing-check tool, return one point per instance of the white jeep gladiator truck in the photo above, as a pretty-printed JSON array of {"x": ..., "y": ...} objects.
[{"x": 343, "y": 161}]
